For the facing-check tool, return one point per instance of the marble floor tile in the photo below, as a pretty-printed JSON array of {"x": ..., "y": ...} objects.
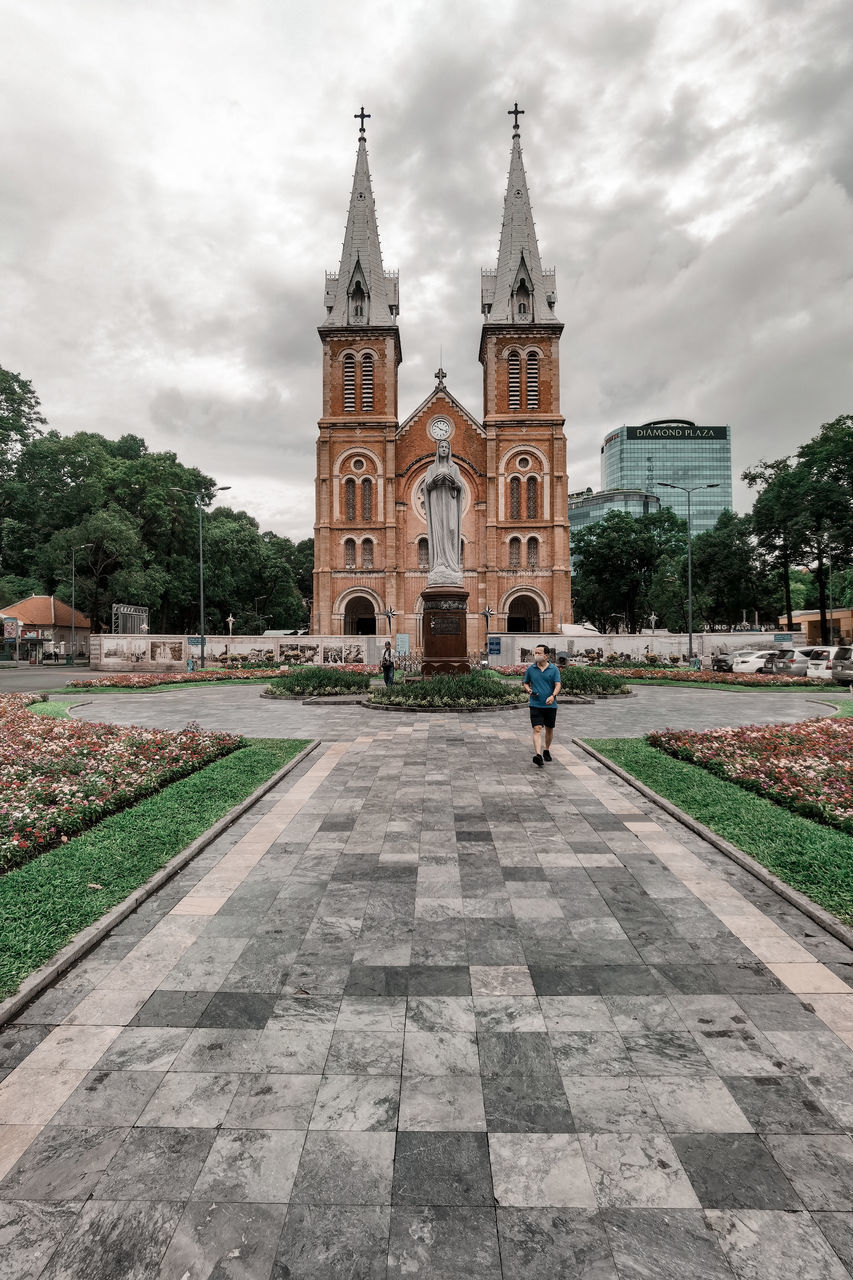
[
  {"x": 439, "y": 1242},
  {"x": 362, "y": 1102},
  {"x": 537, "y": 1170},
  {"x": 144, "y": 1049},
  {"x": 591, "y": 1053},
  {"x": 306, "y": 1013},
  {"x": 635, "y": 1014},
  {"x": 449, "y": 1168},
  {"x": 442, "y": 1103},
  {"x": 345, "y": 1168},
  {"x": 763, "y": 1243},
  {"x": 501, "y": 980},
  {"x": 365, "y": 1053},
  {"x": 172, "y": 1009},
  {"x": 29, "y": 1233},
  {"x": 14, "y": 1140},
  {"x": 820, "y": 1166},
  {"x": 281, "y": 1049},
  {"x": 440, "y": 1013},
  {"x": 780, "y": 1104},
  {"x": 190, "y": 1100},
  {"x": 440, "y": 1053},
  {"x": 734, "y": 1171},
  {"x": 105, "y": 1098},
  {"x": 62, "y": 1164},
  {"x": 838, "y": 1230},
  {"x": 333, "y": 1242},
  {"x": 636, "y": 1171},
  {"x": 526, "y": 1104},
  {"x": 256, "y": 1166},
  {"x": 17, "y": 1041},
  {"x": 554, "y": 1244},
  {"x": 575, "y": 1013},
  {"x": 232, "y": 1241},
  {"x": 155, "y": 1164},
  {"x": 836, "y": 1098},
  {"x": 695, "y": 1104},
  {"x": 371, "y": 1013},
  {"x": 218, "y": 1050},
  {"x": 115, "y": 1238},
  {"x": 666, "y": 1244},
  {"x": 611, "y": 1104},
  {"x": 33, "y": 1097},
  {"x": 71, "y": 1048},
  {"x": 818, "y": 1052},
  {"x": 238, "y": 1010}
]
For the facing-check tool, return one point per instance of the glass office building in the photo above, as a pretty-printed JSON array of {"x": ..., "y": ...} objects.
[
  {"x": 586, "y": 508},
  {"x": 679, "y": 452}
]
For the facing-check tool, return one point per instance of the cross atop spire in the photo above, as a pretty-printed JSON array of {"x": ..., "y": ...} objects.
[
  {"x": 363, "y": 115},
  {"x": 440, "y": 375},
  {"x": 516, "y": 112}
]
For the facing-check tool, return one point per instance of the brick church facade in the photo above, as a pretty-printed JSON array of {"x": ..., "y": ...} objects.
[{"x": 370, "y": 535}]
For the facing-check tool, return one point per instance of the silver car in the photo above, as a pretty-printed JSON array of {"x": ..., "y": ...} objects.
[
  {"x": 820, "y": 663},
  {"x": 791, "y": 662},
  {"x": 842, "y": 666}
]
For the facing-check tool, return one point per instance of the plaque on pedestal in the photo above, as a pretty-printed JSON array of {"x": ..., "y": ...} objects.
[{"x": 445, "y": 631}]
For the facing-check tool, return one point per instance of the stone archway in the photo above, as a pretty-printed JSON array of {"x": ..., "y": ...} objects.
[
  {"x": 523, "y": 614},
  {"x": 359, "y": 617}
]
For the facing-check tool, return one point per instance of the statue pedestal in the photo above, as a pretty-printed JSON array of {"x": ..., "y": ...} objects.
[{"x": 445, "y": 631}]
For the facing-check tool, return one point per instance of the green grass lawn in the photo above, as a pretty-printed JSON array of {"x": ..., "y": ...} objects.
[
  {"x": 53, "y": 710},
  {"x": 46, "y": 902},
  {"x": 814, "y": 859},
  {"x": 158, "y": 688},
  {"x": 738, "y": 688}
]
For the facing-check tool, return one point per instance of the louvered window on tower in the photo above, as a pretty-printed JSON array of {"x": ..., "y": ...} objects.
[
  {"x": 515, "y": 553},
  {"x": 367, "y": 554},
  {"x": 349, "y": 553},
  {"x": 367, "y": 499},
  {"x": 423, "y": 553},
  {"x": 349, "y": 499},
  {"x": 367, "y": 383},
  {"x": 532, "y": 380},
  {"x": 515, "y": 498},
  {"x": 514, "y": 363},
  {"x": 349, "y": 384},
  {"x": 532, "y": 498},
  {"x": 533, "y": 553}
]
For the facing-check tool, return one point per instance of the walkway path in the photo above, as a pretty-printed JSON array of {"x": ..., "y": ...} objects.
[{"x": 430, "y": 1012}]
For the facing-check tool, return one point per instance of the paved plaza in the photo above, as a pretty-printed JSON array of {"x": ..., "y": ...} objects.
[{"x": 429, "y": 1012}]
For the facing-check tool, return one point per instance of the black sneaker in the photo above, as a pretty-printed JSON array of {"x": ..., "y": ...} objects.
[
  {"x": 537, "y": 760},
  {"x": 546, "y": 755}
]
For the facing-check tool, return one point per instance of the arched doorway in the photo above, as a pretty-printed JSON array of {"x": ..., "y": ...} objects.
[
  {"x": 359, "y": 617},
  {"x": 523, "y": 614}
]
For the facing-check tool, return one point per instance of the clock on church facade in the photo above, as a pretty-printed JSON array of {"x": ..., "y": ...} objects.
[{"x": 370, "y": 535}]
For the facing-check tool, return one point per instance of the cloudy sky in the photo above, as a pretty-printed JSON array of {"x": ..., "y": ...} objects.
[{"x": 175, "y": 174}]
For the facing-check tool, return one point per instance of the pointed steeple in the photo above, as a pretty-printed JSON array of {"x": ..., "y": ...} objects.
[
  {"x": 362, "y": 294},
  {"x": 518, "y": 291}
]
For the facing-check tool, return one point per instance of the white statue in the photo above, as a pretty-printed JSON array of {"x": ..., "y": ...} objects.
[{"x": 443, "y": 503}]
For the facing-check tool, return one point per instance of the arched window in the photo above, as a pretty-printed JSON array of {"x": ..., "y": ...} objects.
[
  {"x": 514, "y": 364},
  {"x": 349, "y": 384},
  {"x": 367, "y": 499},
  {"x": 367, "y": 383},
  {"x": 423, "y": 553},
  {"x": 349, "y": 553},
  {"x": 349, "y": 498},
  {"x": 514, "y": 498},
  {"x": 367, "y": 553},
  {"x": 532, "y": 498},
  {"x": 532, "y": 380},
  {"x": 515, "y": 553},
  {"x": 533, "y": 553}
]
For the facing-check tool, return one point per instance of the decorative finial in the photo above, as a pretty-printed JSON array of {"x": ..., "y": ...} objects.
[
  {"x": 440, "y": 375},
  {"x": 516, "y": 112},
  {"x": 363, "y": 115}
]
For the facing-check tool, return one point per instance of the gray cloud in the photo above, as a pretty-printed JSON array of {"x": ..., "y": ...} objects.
[{"x": 173, "y": 189}]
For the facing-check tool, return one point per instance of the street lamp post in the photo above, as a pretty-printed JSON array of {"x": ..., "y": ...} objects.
[
  {"x": 257, "y": 614},
  {"x": 74, "y": 551},
  {"x": 665, "y": 484},
  {"x": 197, "y": 497}
]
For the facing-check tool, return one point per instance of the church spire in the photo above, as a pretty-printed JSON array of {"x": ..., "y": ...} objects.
[
  {"x": 518, "y": 291},
  {"x": 362, "y": 294}
]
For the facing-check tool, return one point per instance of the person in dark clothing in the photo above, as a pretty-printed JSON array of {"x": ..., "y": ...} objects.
[
  {"x": 542, "y": 683},
  {"x": 386, "y": 662}
]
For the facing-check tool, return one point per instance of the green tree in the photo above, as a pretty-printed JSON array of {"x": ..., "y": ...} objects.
[
  {"x": 727, "y": 572},
  {"x": 616, "y": 560}
]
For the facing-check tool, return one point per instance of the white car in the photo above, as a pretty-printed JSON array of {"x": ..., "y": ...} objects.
[
  {"x": 820, "y": 663},
  {"x": 751, "y": 660}
]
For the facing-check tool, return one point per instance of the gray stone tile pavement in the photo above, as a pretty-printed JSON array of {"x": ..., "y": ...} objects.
[{"x": 430, "y": 1012}]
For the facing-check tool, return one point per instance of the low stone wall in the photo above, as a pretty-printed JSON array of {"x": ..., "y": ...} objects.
[{"x": 171, "y": 653}]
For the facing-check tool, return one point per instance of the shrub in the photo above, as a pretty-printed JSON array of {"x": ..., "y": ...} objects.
[
  {"x": 473, "y": 690},
  {"x": 318, "y": 682},
  {"x": 589, "y": 680}
]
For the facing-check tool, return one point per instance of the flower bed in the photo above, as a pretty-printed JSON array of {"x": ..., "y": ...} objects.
[
  {"x": 751, "y": 680},
  {"x": 58, "y": 777},
  {"x": 148, "y": 679},
  {"x": 466, "y": 692},
  {"x": 318, "y": 682},
  {"x": 806, "y": 767}
]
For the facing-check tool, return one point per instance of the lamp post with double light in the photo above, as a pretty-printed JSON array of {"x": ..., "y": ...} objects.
[
  {"x": 74, "y": 551},
  {"x": 665, "y": 484},
  {"x": 197, "y": 498}
]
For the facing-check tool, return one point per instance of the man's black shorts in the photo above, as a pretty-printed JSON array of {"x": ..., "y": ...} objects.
[{"x": 546, "y": 716}]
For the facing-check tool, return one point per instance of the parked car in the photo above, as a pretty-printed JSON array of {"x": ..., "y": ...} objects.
[
  {"x": 751, "y": 660},
  {"x": 842, "y": 666},
  {"x": 722, "y": 661},
  {"x": 791, "y": 662},
  {"x": 820, "y": 663}
]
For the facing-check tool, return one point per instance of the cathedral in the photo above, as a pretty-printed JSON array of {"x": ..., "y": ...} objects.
[{"x": 371, "y": 554}]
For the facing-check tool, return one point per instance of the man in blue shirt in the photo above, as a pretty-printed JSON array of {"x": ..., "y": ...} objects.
[{"x": 542, "y": 683}]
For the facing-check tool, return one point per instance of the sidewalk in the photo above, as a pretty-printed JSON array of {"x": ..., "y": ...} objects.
[{"x": 430, "y": 1012}]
